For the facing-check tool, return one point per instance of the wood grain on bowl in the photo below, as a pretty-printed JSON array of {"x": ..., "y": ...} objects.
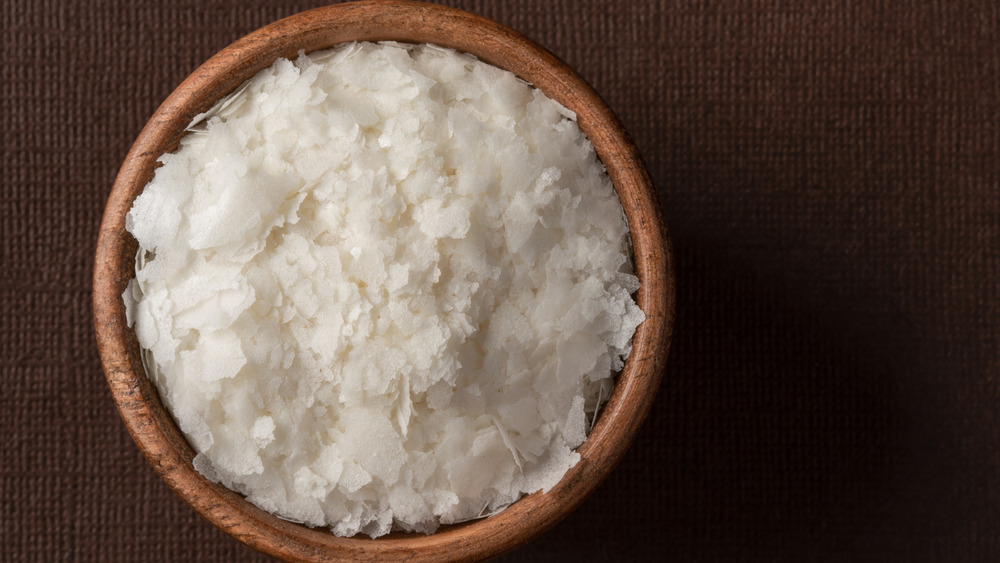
[{"x": 155, "y": 432}]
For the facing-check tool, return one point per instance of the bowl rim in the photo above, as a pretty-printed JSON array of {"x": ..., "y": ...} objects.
[{"x": 157, "y": 435}]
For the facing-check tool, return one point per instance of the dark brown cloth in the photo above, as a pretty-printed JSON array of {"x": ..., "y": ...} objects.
[{"x": 831, "y": 175}]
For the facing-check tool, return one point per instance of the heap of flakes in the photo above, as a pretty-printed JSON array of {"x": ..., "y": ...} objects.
[{"x": 383, "y": 287}]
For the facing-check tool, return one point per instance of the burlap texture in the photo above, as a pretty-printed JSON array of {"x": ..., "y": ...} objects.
[{"x": 831, "y": 175}]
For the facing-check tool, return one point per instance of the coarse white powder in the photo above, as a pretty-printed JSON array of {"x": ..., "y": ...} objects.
[{"x": 383, "y": 287}]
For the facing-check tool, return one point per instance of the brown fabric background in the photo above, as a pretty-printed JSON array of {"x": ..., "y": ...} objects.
[{"x": 831, "y": 175}]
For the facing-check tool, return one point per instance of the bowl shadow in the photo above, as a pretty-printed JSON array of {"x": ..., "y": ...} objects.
[{"x": 791, "y": 423}]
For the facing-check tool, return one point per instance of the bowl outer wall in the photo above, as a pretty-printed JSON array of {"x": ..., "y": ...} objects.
[{"x": 157, "y": 435}]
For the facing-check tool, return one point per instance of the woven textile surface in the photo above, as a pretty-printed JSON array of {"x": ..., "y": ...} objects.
[{"x": 830, "y": 172}]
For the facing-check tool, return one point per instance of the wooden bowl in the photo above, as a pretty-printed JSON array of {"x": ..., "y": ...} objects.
[{"x": 156, "y": 433}]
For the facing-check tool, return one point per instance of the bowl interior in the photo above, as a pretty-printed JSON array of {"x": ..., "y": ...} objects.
[{"x": 154, "y": 430}]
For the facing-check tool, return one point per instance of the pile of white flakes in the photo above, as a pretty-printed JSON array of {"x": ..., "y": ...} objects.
[{"x": 383, "y": 287}]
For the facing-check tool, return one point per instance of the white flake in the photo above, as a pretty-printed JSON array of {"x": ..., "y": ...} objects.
[{"x": 382, "y": 286}]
